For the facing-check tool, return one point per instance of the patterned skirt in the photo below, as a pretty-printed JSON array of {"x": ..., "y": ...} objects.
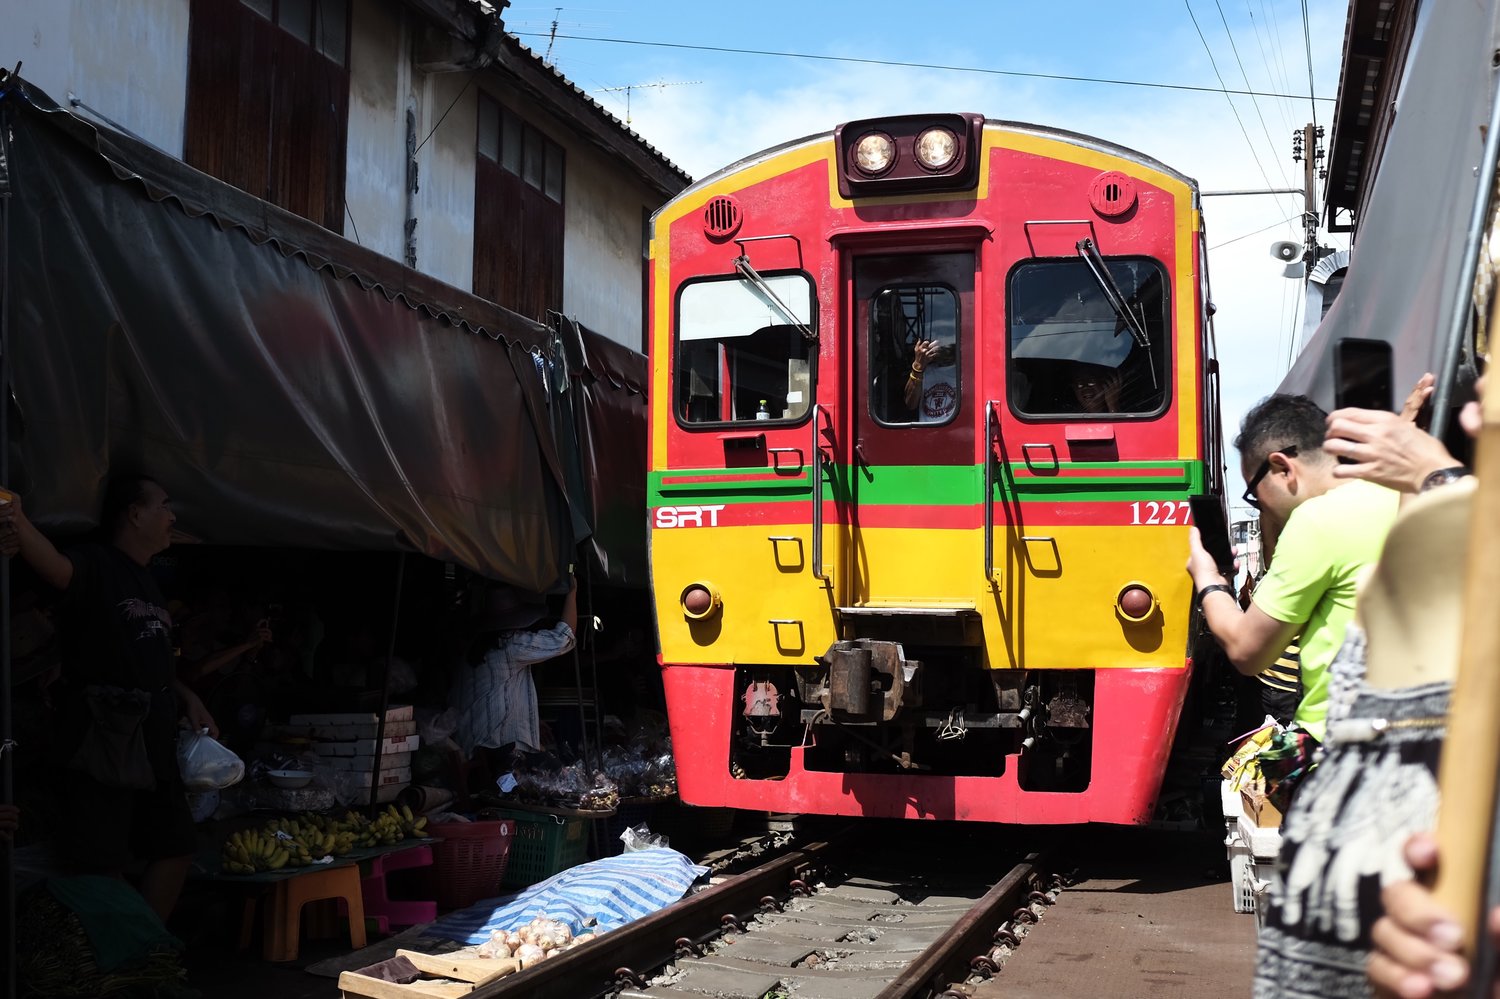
[{"x": 1342, "y": 841}]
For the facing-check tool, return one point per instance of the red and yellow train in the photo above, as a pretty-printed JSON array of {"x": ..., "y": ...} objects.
[{"x": 930, "y": 395}]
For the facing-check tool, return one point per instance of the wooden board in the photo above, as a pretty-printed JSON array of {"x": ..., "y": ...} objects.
[
  {"x": 470, "y": 969},
  {"x": 357, "y": 986},
  {"x": 469, "y": 972}
]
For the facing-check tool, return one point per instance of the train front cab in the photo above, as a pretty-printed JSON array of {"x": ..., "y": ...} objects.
[{"x": 985, "y": 617}]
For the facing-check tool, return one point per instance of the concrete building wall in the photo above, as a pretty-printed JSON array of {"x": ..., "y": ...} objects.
[
  {"x": 605, "y": 217},
  {"x": 445, "y": 200},
  {"x": 125, "y": 59},
  {"x": 379, "y": 94}
]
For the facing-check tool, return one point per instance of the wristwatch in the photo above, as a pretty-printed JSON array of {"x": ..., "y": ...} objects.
[
  {"x": 1443, "y": 477},
  {"x": 1214, "y": 588}
]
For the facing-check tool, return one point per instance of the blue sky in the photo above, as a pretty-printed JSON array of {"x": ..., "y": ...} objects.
[{"x": 726, "y": 105}]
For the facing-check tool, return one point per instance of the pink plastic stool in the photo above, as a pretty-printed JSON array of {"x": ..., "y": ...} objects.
[{"x": 386, "y": 911}]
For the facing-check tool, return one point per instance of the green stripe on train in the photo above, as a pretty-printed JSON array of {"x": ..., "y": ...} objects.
[{"x": 940, "y": 485}]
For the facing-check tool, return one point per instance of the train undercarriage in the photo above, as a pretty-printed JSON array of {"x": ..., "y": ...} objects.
[{"x": 877, "y": 706}]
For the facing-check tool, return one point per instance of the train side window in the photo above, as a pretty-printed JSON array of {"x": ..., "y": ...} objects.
[
  {"x": 1072, "y": 355},
  {"x": 902, "y": 317},
  {"x": 742, "y": 351}
]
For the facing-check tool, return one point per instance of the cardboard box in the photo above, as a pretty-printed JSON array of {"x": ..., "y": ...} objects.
[
  {"x": 365, "y": 764},
  {"x": 401, "y": 775},
  {"x": 1259, "y": 808},
  {"x": 366, "y": 747},
  {"x": 396, "y": 712}
]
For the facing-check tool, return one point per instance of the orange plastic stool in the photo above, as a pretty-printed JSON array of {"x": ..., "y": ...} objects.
[{"x": 283, "y": 908}]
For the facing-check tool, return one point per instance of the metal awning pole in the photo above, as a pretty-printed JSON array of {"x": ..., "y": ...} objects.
[
  {"x": 385, "y": 683},
  {"x": 7, "y": 745},
  {"x": 1463, "y": 305}
]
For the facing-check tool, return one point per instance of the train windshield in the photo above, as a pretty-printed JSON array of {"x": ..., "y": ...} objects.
[
  {"x": 740, "y": 355},
  {"x": 1072, "y": 354}
]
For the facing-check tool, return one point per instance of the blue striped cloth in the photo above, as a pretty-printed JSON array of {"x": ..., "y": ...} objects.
[{"x": 612, "y": 891}]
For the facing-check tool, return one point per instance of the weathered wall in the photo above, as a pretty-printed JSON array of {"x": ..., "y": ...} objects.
[{"x": 126, "y": 59}]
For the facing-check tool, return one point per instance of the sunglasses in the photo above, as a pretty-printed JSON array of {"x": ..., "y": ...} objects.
[{"x": 1289, "y": 451}]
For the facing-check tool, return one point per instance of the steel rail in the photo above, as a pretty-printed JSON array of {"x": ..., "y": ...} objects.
[
  {"x": 948, "y": 959},
  {"x": 651, "y": 941}
]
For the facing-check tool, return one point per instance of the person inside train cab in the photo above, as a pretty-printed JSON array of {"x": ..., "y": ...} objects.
[
  {"x": 931, "y": 389},
  {"x": 1331, "y": 529},
  {"x": 1095, "y": 387}
]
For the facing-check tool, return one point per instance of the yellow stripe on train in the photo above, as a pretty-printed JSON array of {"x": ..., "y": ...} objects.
[{"x": 1054, "y": 606}]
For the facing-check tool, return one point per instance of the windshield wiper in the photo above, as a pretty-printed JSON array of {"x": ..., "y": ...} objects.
[
  {"x": 1089, "y": 254},
  {"x": 742, "y": 264}
]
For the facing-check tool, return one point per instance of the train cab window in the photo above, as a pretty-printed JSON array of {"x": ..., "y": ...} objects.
[
  {"x": 1074, "y": 354},
  {"x": 745, "y": 349},
  {"x": 914, "y": 354}
]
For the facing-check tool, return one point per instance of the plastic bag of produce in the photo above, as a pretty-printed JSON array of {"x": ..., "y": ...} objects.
[{"x": 206, "y": 764}]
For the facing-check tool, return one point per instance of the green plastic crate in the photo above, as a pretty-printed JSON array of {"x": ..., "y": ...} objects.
[{"x": 543, "y": 845}]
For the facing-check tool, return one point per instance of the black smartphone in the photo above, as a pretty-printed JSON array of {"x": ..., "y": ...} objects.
[
  {"x": 1208, "y": 517},
  {"x": 1362, "y": 374}
]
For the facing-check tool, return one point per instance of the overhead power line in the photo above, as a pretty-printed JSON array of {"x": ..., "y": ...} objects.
[
  {"x": 1255, "y": 102},
  {"x": 1307, "y": 41},
  {"x": 1214, "y": 63},
  {"x": 913, "y": 65}
]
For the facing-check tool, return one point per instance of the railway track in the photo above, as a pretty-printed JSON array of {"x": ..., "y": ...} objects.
[{"x": 827, "y": 920}]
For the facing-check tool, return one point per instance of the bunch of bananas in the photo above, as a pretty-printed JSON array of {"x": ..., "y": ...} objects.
[
  {"x": 251, "y": 850},
  {"x": 297, "y": 842},
  {"x": 316, "y": 837},
  {"x": 393, "y": 825}
]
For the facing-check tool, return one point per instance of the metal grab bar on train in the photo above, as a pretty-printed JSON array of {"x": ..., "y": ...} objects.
[
  {"x": 817, "y": 496},
  {"x": 989, "y": 492}
]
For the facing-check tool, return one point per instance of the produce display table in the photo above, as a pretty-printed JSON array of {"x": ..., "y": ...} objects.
[{"x": 287, "y": 890}]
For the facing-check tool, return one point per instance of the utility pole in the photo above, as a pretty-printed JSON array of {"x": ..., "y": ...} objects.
[{"x": 1307, "y": 148}]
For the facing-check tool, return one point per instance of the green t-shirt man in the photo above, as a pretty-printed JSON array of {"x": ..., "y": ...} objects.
[{"x": 1320, "y": 555}]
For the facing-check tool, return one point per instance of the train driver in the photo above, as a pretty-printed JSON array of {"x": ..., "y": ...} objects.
[{"x": 1096, "y": 388}]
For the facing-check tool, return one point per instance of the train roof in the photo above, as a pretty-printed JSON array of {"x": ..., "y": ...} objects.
[{"x": 1060, "y": 134}]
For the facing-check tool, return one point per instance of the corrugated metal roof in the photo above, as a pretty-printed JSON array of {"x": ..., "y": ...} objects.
[
  {"x": 609, "y": 116},
  {"x": 495, "y": 10}
]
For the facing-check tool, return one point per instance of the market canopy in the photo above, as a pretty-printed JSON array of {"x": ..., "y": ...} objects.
[
  {"x": 1406, "y": 289},
  {"x": 288, "y": 387}
]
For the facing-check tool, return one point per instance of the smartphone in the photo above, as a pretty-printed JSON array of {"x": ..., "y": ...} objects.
[
  {"x": 1208, "y": 517},
  {"x": 1362, "y": 374}
]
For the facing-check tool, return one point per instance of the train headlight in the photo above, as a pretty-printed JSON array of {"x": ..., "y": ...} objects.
[
  {"x": 874, "y": 153},
  {"x": 1135, "y": 602},
  {"x": 936, "y": 148},
  {"x": 700, "y": 601}
]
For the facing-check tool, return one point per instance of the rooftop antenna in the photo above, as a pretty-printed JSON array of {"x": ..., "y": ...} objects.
[
  {"x": 642, "y": 86},
  {"x": 552, "y": 35}
]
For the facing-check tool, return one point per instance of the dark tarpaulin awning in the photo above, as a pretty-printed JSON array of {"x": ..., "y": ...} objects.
[
  {"x": 286, "y": 386},
  {"x": 609, "y": 416},
  {"x": 1408, "y": 260}
]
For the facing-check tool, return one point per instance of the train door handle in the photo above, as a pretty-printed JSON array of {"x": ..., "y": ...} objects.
[
  {"x": 991, "y": 424},
  {"x": 818, "y": 571},
  {"x": 785, "y": 469}
]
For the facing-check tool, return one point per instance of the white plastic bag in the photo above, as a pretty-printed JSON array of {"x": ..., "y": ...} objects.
[
  {"x": 206, "y": 764},
  {"x": 641, "y": 838}
]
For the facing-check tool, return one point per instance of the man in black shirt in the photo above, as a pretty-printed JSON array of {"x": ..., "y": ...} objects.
[{"x": 115, "y": 632}]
